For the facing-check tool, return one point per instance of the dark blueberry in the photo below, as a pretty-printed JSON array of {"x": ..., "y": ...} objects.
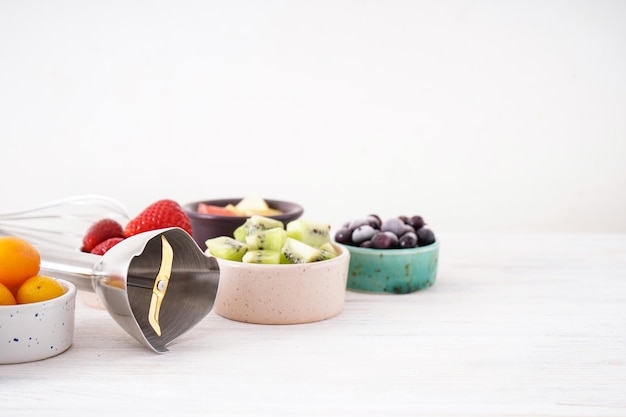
[
  {"x": 408, "y": 240},
  {"x": 344, "y": 235},
  {"x": 362, "y": 233},
  {"x": 374, "y": 221},
  {"x": 425, "y": 236},
  {"x": 358, "y": 222},
  {"x": 394, "y": 239},
  {"x": 416, "y": 221},
  {"x": 407, "y": 229},
  {"x": 384, "y": 240},
  {"x": 366, "y": 244},
  {"x": 393, "y": 225}
]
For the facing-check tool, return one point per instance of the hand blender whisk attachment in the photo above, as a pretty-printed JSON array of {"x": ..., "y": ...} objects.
[
  {"x": 62, "y": 222},
  {"x": 156, "y": 285}
]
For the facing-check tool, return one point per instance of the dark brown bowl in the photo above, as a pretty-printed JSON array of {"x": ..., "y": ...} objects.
[{"x": 207, "y": 226}]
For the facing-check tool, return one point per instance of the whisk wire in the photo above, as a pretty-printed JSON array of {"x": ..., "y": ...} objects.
[{"x": 64, "y": 221}]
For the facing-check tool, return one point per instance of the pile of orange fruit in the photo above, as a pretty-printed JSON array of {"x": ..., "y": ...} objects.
[{"x": 20, "y": 282}]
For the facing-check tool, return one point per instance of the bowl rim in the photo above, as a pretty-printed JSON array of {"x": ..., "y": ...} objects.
[
  {"x": 70, "y": 292},
  {"x": 237, "y": 264},
  {"x": 392, "y": 252},
  {"x": 296, "y": 209}
]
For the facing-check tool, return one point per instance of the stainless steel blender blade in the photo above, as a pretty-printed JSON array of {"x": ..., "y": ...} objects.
[{"x": 157, "y": 285}]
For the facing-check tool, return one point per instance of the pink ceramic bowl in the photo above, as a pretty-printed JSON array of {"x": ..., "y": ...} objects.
[{"x": 282, "y": 294}]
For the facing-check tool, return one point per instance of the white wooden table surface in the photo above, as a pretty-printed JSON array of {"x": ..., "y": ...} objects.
[{"x": 516, "y": 325}]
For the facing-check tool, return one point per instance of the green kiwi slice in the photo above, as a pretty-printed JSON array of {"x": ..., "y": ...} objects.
[
  {"x": 312, "y": 233},
  {"x": 226, "y": 247}
]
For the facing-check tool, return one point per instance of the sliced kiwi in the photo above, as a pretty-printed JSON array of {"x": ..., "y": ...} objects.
[
  {"x": 254, "y": 224},
  {"x": 327, "y": 251},
  {"x": 262, "y": 256},
  {"x": 240, "y": 233},
  {"x": 226, "y": 247},
  {"x": 312, "y": 233},
  {"x": 284, "y": 259},
  {"x": 272, "y": 239},
  {"x": 329, "y": 248},
  {"x": 299, "y": 252}
]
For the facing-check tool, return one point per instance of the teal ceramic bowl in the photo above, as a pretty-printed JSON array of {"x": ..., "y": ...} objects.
[{"x": 396, "y": 271}]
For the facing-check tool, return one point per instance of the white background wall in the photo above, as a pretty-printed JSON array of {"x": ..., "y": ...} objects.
[{"x": 479, "y": 115}]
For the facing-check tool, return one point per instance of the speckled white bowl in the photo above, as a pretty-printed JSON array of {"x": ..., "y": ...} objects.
[
  {"x": 282, "y": 294},
  {"x": 35, "y": 331}
]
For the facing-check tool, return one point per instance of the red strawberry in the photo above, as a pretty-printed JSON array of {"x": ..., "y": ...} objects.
[
  {"x": 101, "y": 231},
  {"x": 159, "y": 215},
  {"x": 102, "y": 247}
]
